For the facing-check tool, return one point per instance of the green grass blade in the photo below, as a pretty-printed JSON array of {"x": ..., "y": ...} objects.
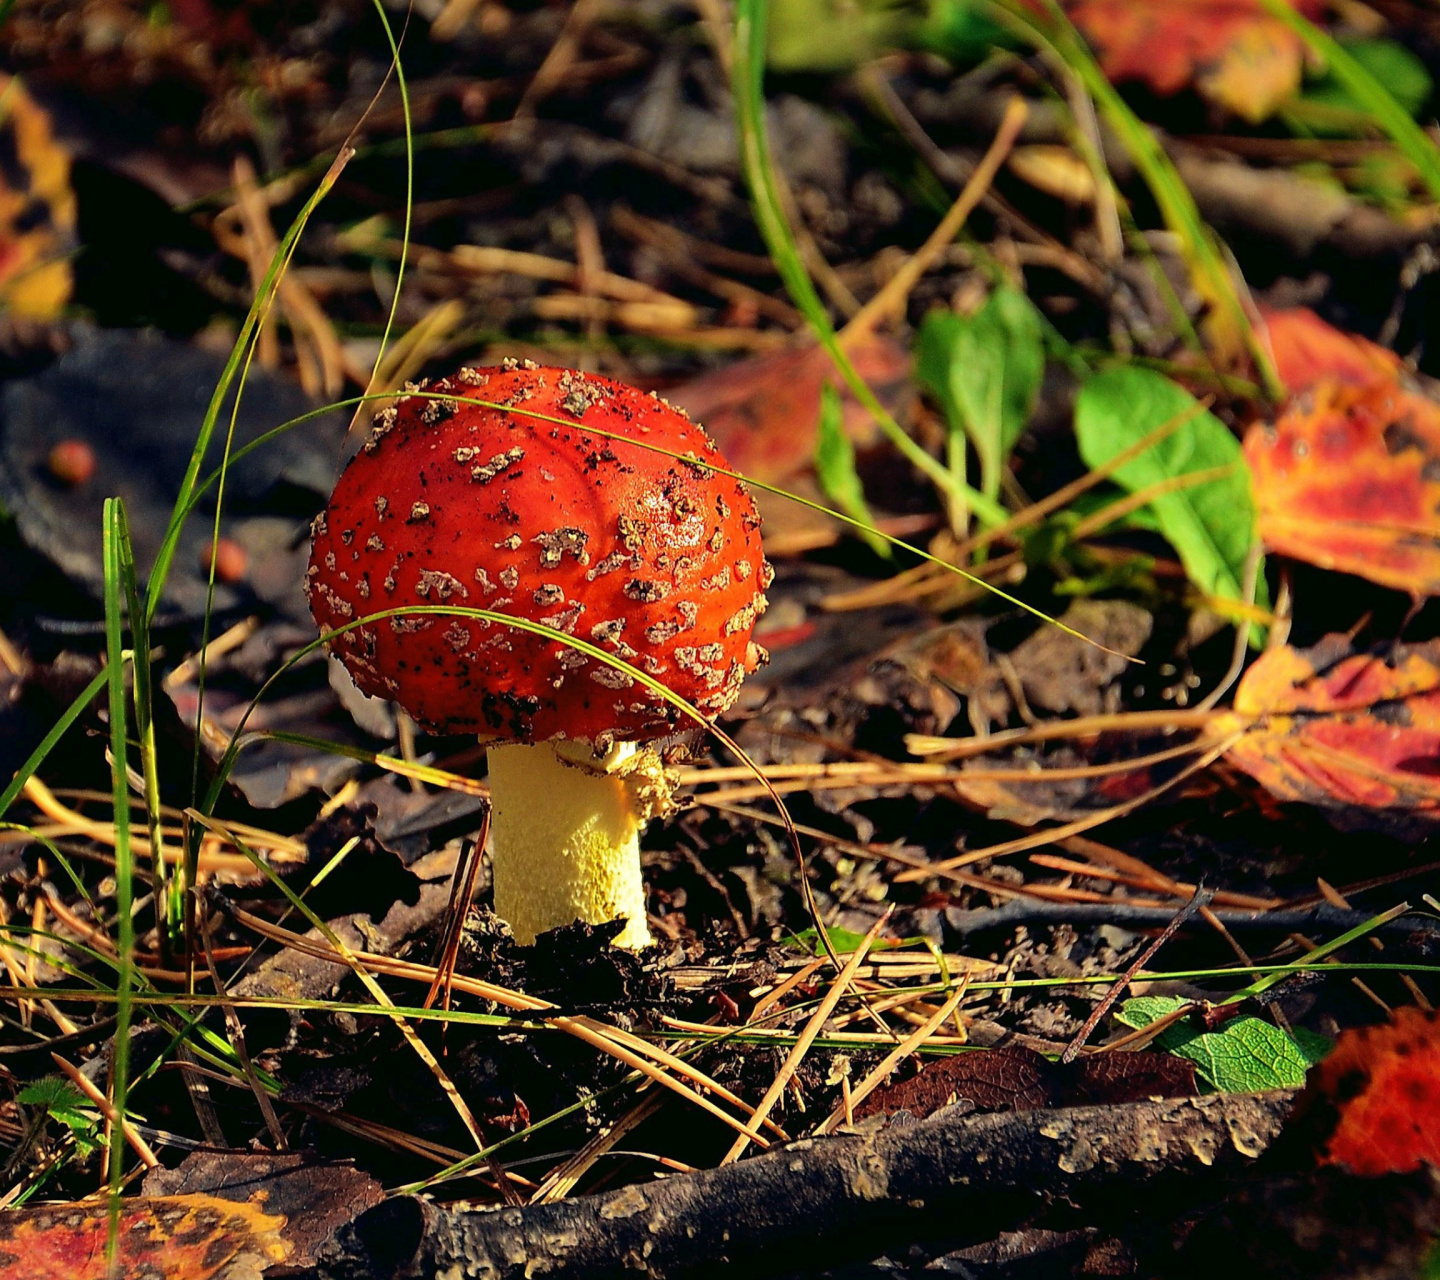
[
  {"x": 145, "y": 726},
  {"x": 264, "y": 296},
  {"x": 124, "y": 862},
  {"x": 399, "y": 68},
  {"x": 48, "y": 743},
  {"x": 1414, "y": 143},
  {"x": 1060, "y": 38},
  {"x": 748, "y": 85}
]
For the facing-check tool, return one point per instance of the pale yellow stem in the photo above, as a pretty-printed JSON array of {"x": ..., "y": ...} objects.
[{"x": 566, "y": 835}]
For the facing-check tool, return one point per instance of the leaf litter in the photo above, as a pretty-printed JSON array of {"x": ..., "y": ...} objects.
[{"x": 997, "y": 816}]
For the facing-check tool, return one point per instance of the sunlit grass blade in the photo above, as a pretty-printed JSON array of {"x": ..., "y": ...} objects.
[
  {"x": 264, "y": 296},
  {"x": 143, "y": 699},
  {"x": 748, "y": 84},
  {"x": 1057, "y": 35},
  {"x": 48, "y": 743},
  {"x": 112, "y": 553},
  {"x": 1414, "y": 143}
]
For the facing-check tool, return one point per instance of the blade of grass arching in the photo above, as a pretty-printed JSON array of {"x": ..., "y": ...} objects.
[
  {"x": 399, "y": 70},
  {"x": 124, "y": 866},
  {"x": 48, "y": 743},
  {"x": 169, "y": 916},
  {"x": 748, "y": 85},
  {"x": 227, "y": 762},
  {"x": 1177, "y": 206},
  {"x": 264, "y": 296},
  {"x": 1414, "y": 143}
]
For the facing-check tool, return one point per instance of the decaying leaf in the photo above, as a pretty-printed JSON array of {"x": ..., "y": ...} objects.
[
  {"x": 1340, "y": 729},
  {"x": 764, "y": 416},
  {"x": 1348, "y": 475},
  {"x": 1231, "y": 51},
  {"x": 37, "y": 209},
  {"x": 1018, "y": 1079},
  {"x": 194, "y": 1237},
  {"x": 1380, "y": 1089},
  {"x": 1346, "y": 478}
]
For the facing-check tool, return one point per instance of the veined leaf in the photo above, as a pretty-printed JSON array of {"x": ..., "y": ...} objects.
[
  {"x": 835, "y": 467},
  {"x": 1211, "y": 525},
  {"x": 1243, "y": 1055},
  {"x": 985, "y": 371}
]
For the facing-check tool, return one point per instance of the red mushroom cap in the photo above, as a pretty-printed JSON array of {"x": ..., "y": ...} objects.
[{"x": 651, "y": 558}]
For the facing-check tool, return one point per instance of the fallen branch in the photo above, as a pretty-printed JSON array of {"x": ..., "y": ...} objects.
[
  {"x": 818, "y": 1199},
  {"x": 1029, "y": 912}
]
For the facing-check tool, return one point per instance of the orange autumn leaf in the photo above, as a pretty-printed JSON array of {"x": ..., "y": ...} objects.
[
  {"x": 1306, "y": 350},
  {"x": 1348, "y": 478},
  {"x": 1340, "y": 729},
  {"x": 37, "y": 209},
  {"x": 191, "y": 1237},
  {"x": 1231, "y": 51},
  {"x": 1380, "y": 1088},
  {"x": 1348, "y": 474},
  {"x": 764, "y": 416},
  {"x": 763, "y": 413}
]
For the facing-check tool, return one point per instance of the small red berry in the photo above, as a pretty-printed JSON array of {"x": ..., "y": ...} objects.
[
  {"x": 71, "y": 463},
  {"x": 231, "y": 560}
]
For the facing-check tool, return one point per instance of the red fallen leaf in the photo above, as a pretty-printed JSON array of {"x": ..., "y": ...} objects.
[
  {"x": 1348, "y": 477},
  {"x": 763, "y": 413},
  {"x": 1307, "y": 350},
  {"x": 1232, "y": 51},
  {"x": 1380, "y": 1088},
  {"x": 194, "y": 1237},
  {"x": 1340, "y": 729},
  {"x": 1018, "y": 1079}
]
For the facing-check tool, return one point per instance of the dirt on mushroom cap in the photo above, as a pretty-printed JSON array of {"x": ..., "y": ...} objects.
[{"x": 654, "y": 559}]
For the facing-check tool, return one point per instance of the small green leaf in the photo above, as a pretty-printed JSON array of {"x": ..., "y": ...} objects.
[
  {"x": 1392, "y": 64},
  {"x": 985, "y": 371},
  {"x": 52, "y": 1093},
  {"x": 835, "y": 468},
  {"x": 1243, "y": 1055},
  {"x": 1212, "y": 524}
]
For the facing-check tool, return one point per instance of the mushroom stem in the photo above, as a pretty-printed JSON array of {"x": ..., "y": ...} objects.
[{"x": 566, "y": 835}]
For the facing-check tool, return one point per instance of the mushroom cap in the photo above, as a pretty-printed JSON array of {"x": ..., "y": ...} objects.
[{"x": 650, "y": 558}]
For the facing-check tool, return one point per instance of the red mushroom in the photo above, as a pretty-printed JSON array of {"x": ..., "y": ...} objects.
[{"x": 652, "y": 558}]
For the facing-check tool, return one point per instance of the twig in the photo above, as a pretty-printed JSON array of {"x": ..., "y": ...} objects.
[
  {"x": 1025, "y": 912},
  {"x": 798, "y": 1209},
  {"x": 892, "y": 297},
  {"x": 1072, "y": 1050}
]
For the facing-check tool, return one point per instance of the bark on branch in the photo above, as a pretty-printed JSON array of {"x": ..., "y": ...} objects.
[{"x": 817, "y": 1198}]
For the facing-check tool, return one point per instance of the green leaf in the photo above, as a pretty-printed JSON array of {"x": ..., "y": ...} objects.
[
  {"x": 53, "y": 1093},
  {"x": 1392, "y": 64},
  {"x": 1212, "y": 524},
  {"x": 985, "y": 371},
  {"x": 835, "y": 468},
  {"x": 1243, "y": 1055}
]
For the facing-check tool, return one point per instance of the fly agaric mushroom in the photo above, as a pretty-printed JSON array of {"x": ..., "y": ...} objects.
[{"x": 523, "y": 510}]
